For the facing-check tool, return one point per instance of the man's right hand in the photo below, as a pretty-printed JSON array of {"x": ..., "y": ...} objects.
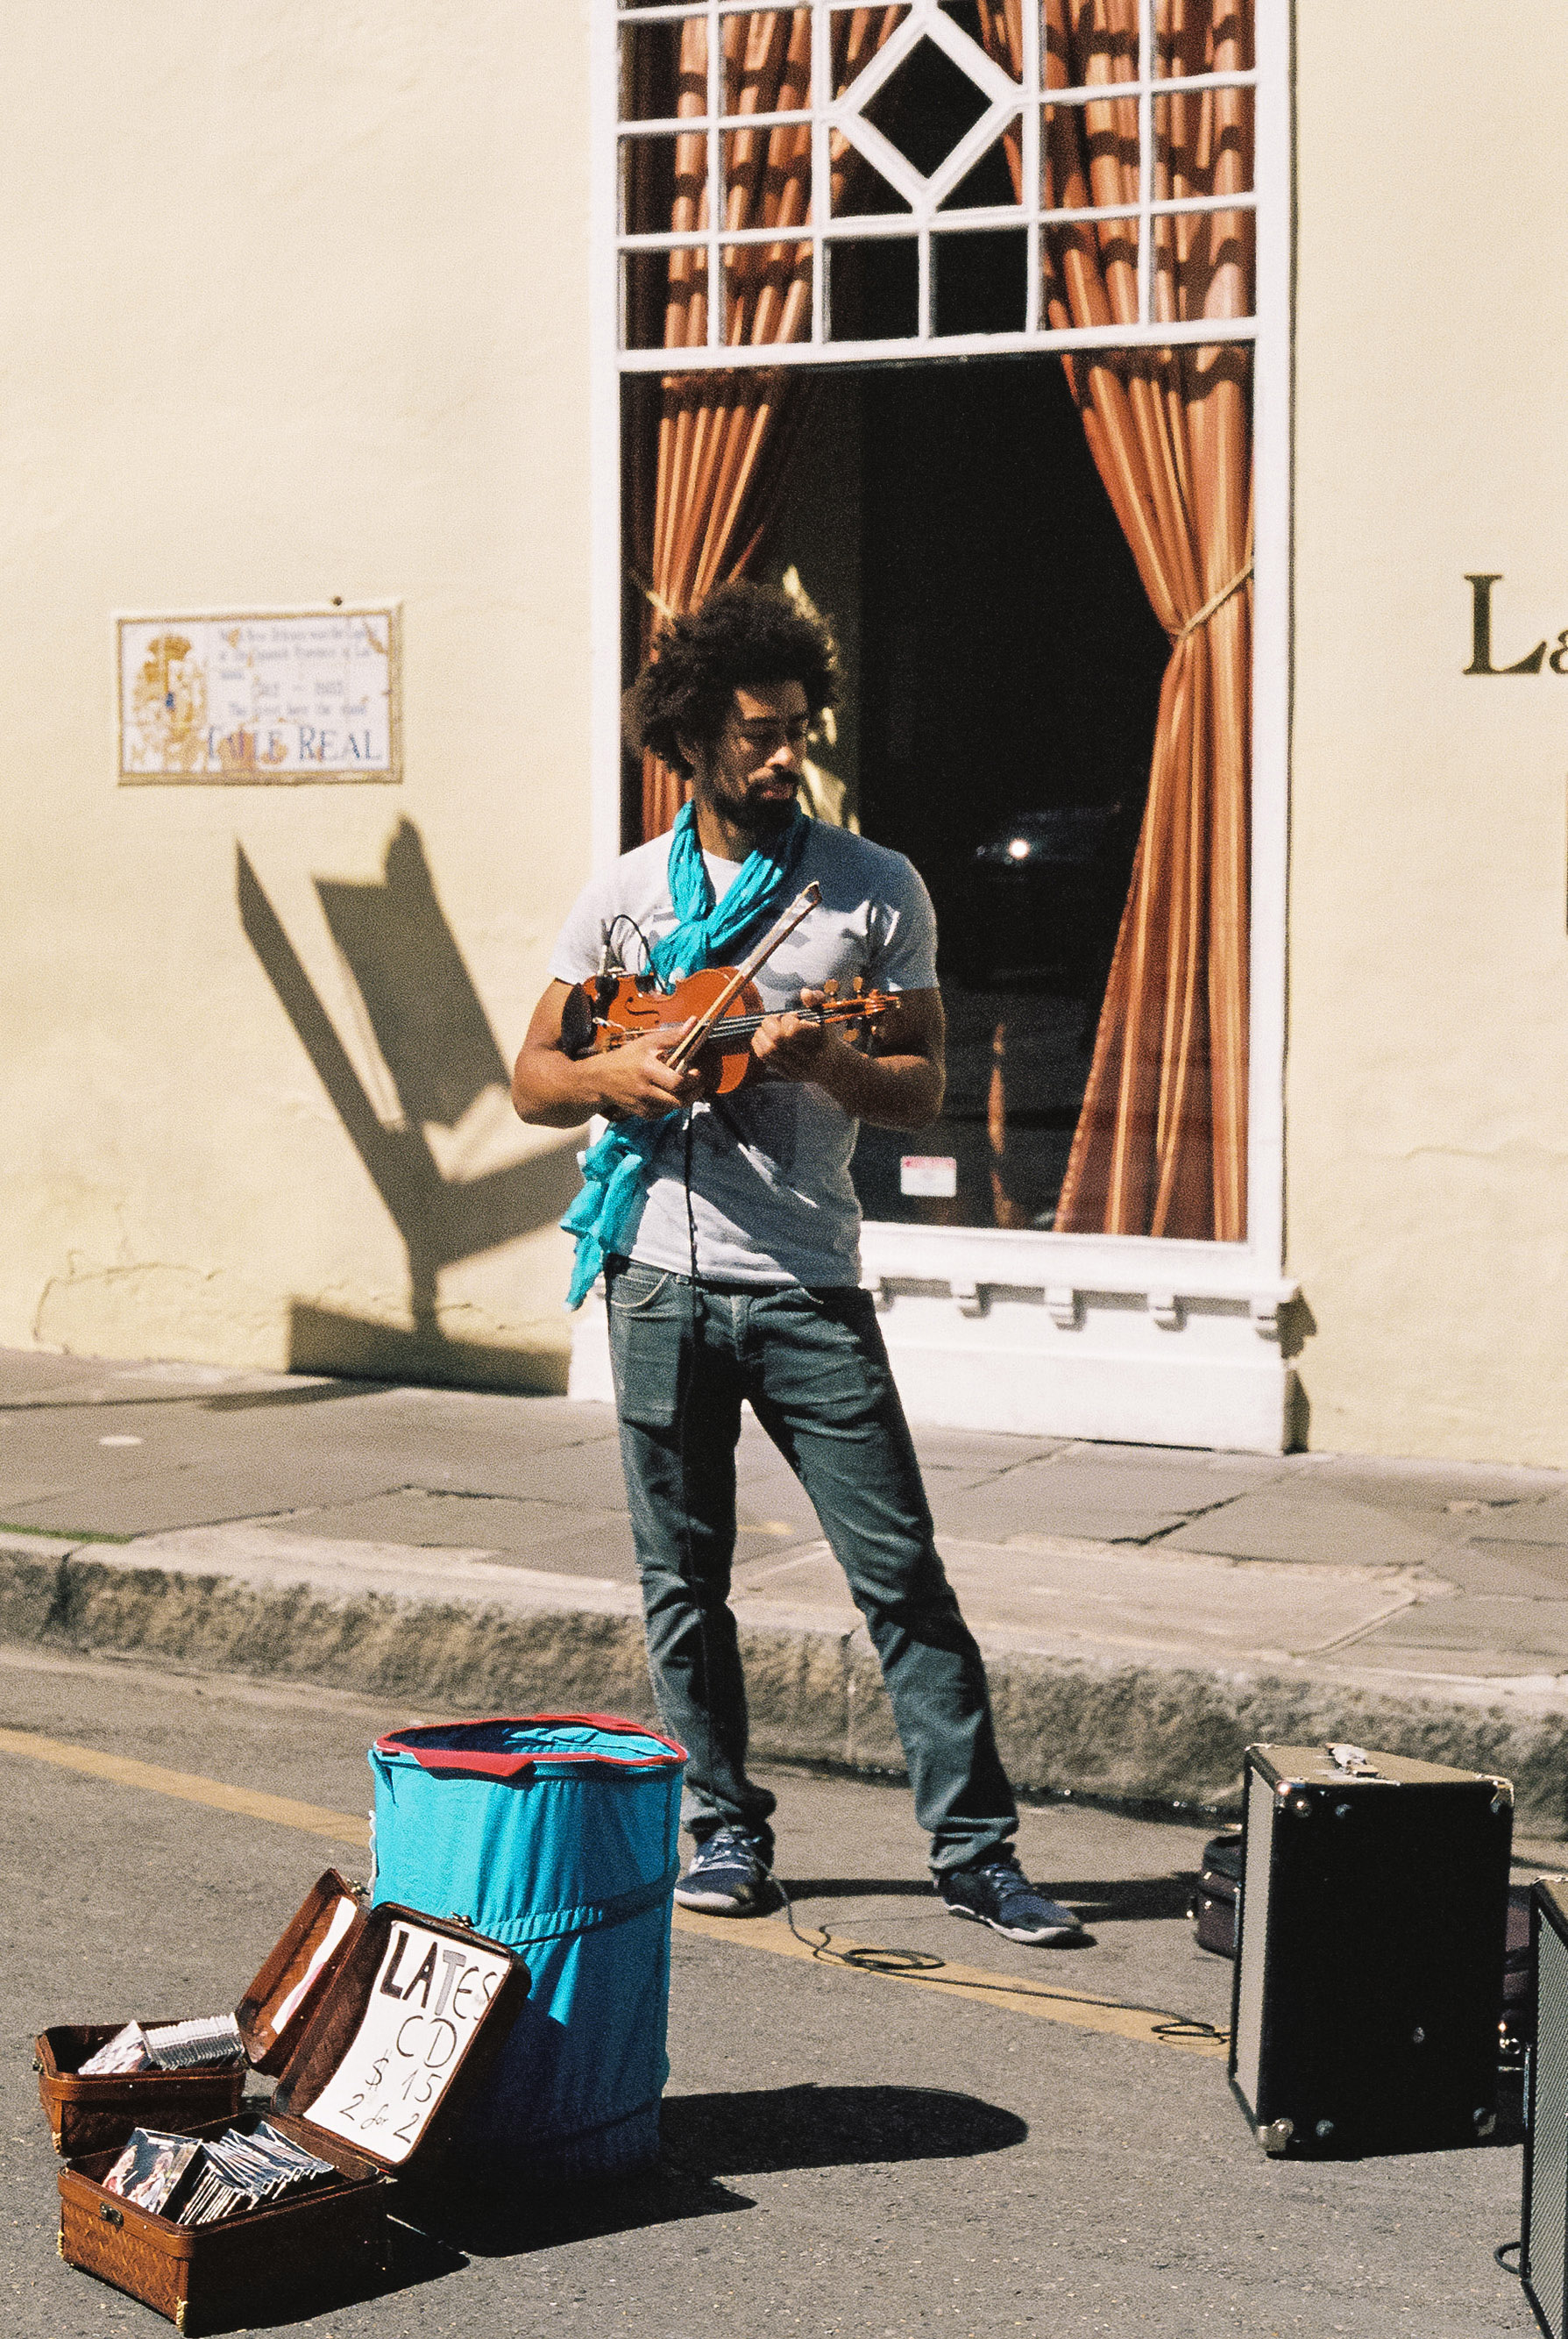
[
  {"x": 633, "y": 1083},
  {"x": 636, "y": 1083}
]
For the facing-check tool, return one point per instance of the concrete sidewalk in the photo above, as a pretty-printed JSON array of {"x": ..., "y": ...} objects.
[{"x": 1145, "y": 1613}]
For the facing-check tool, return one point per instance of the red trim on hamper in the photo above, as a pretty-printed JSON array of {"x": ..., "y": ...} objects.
[{"x": 497, "y": 1765}]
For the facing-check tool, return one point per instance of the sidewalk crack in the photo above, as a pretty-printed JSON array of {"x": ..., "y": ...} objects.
[{"x": 1188, "y": 1518}]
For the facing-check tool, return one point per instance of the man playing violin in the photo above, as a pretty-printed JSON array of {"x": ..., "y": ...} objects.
[{"x": 727, "y": 1230}]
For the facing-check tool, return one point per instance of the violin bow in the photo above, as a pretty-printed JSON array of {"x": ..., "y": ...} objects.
[{"x": 801, "y": 907}]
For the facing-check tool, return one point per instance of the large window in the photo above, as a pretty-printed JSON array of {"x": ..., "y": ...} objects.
[
  {"x": 1039, "y": 560},
  {"x": 865, "y": 166}
]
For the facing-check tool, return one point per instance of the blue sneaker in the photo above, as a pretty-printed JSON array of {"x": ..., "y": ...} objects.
[
  {"x": 996, "y": 1892},
  {"x": 728, "y": 1876}
]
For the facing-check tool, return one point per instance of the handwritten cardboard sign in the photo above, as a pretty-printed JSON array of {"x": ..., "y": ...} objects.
[{"x": 428, "y": 2000}]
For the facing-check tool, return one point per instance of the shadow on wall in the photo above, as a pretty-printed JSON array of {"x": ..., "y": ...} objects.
[{"x": 436, "y": 1041}]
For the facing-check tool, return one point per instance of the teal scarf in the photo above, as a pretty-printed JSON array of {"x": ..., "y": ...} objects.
[{"x": 617, "y": 1171}]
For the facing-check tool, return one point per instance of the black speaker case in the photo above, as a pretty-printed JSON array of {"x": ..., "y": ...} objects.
[
  {"x": 1369, "y": 1954},
  {"x": 1544, "y": 2250}
]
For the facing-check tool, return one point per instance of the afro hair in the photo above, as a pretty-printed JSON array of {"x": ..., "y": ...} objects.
[{"x": 742, "y": 634}]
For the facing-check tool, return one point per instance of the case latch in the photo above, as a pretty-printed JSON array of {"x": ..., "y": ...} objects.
[{"x": 110, "y": 2215}]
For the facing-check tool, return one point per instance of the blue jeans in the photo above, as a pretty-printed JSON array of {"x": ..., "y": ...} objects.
[{"x": 813, "y": 1366}]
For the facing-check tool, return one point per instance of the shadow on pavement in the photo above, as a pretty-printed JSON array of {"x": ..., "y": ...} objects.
[
  {"x": 1108, "y": 1903},
  {"x": 315, "y": 1393},
  {"x": 858, "y": 1888},
  {"x": 775, "y": 2128},
  {"x": 302, "y": 2297},
  {"x": 496, "y": 2220},
  {"x": 706, "y": 2138},
  {"x": 1099, "y": 1902},
  {"x": 198, "y": 1400}
]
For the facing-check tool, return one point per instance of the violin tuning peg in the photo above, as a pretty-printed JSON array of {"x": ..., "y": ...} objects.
[{"x": 830, "y": 988}]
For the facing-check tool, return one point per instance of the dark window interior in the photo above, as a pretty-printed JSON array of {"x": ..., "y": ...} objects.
[{"x": 1007, "y": 672}]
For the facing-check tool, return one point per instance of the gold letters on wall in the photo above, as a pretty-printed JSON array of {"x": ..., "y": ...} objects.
[{"x": 1481, "y": 635}]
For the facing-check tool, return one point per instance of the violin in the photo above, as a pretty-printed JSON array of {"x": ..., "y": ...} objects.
[
  {"x": 611, "y": 1009},
  {"x": 710, "y": 1016}
]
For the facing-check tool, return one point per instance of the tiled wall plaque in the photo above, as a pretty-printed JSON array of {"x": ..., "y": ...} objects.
[{"x": 270, "y": 696}]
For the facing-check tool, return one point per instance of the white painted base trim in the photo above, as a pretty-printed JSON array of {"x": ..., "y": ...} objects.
[{"x": 1153, "y": 1369}]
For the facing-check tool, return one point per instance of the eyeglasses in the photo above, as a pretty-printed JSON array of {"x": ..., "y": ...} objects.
[{"x": 767, "y": 737}]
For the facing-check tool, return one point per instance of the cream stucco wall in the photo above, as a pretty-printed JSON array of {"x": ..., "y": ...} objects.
[
  {"x": 295, "y": 306},
  {"x": 1427, "y": 1077}
]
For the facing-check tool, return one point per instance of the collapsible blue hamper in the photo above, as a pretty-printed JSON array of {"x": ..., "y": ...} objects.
[{"x": 555, "y": 1834}]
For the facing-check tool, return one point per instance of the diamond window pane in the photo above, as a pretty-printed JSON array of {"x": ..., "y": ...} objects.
[
  {"x": 1203, "y": 143},
  {"x": 996, "y": 178},
  {"x": 971, "y": 16},
  {"x": 856, "y": 37},
  {"x": 663, "y": 297},
  {"x": 1088, "y": 153},
  {"x": 873, "y": 289},
  {"x": 980, "y": 281},
  {"x": 664, "y": 70},
  {"x": 925, "y": 106},
  {"x": 664, "y": 184},
  {"x": 859, "y": 190},
  {"x": 767, "y": 293},
  {"x": 767, "y": 60}
]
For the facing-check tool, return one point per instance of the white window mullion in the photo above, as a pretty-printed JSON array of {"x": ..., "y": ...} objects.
[
  {"x": 1146, "y": 63},
  {"x": 715, "y": 333},
  {"x": 1162, "y": 335},
  {"x": 1029, "y": 192},
  {"x": 821, "y": 166}
]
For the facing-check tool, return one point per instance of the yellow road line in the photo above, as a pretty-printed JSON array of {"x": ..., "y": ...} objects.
[
  {"x": 341, "y": 1827},
  {"x": 976, "y": 1983}
]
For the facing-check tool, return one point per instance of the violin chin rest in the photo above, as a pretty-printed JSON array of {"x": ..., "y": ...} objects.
[{"x": 577, "y": 1022}]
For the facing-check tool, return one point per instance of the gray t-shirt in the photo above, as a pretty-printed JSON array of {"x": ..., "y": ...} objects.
[{"x": 772, "y": 1198}]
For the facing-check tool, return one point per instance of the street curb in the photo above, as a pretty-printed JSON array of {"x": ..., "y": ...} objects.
[{"x": 1170, "y": 1731}]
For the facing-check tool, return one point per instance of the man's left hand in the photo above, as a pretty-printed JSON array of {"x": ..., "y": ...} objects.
[{"x": 790, "y": 1047}]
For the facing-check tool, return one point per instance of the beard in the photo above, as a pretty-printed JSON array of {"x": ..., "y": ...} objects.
[{"x": 762, "y": 817}]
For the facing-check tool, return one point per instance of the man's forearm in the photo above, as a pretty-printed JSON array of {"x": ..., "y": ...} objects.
[
  {"x": 554, "y": 1091},
  {"x": 890, "y": 1092}
]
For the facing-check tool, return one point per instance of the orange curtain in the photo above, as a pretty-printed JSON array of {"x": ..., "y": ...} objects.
[
  {"x": 720, "y": 448},
  {"x": 1160, "y": 1146}
]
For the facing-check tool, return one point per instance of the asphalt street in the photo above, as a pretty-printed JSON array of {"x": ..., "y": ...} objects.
[{"x": 842, "y": 2153}]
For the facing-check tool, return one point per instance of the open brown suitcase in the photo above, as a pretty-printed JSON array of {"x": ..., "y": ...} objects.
[
  {"x": 90, "y": 2115},
  {"x": 386, "y": 2084}
]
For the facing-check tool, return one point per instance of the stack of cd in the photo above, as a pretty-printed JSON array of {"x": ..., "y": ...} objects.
[
  {"x": 149, "y": 2170},
  {"x": 183, "y": 2046},
  {"x": 196, "y": 2183},
  {"x": 209, "y": 2042}
]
